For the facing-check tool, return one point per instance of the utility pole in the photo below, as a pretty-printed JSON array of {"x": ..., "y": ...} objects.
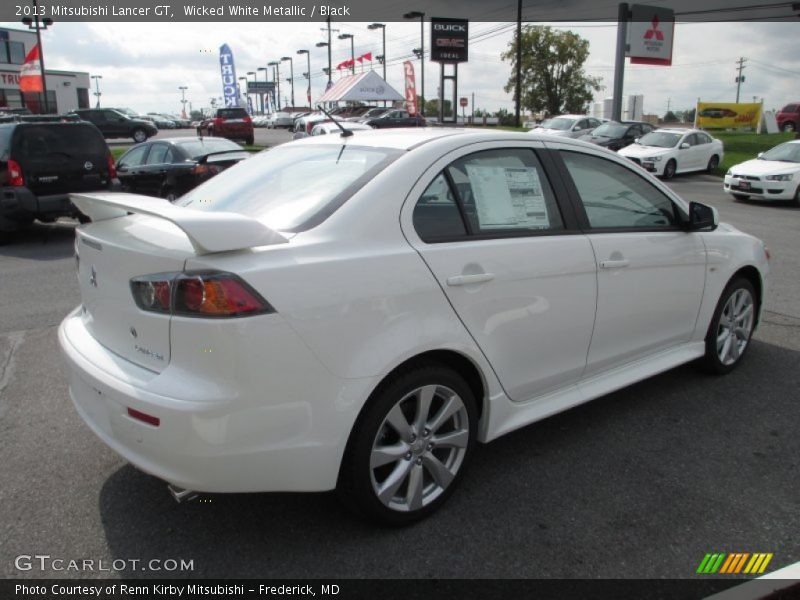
[
  {"x": 472, "y": 117},
  {"x": 623, "y": 16},
  {"x": 739, "y": 77},
  {"x": 669, "y": 101}
]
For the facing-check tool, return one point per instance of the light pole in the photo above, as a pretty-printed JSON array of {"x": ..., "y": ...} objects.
[
  {"x": 38, "y": 25},
  {"x": 328, "y": 46},
  {"x": 258, "y": 94},
  {"x": 349, "y": 36},
  {"x": 382, "y": 27},
  {"x": 97, "y": 93},
  {"x": 415, "y": 14},
  {"x": 276, "y": 65},
  {"x": 308, "y": 75},
  {"x": 183, "y": 89},
  {"x": 245, "y": 95},
  {"x": 291, "y": 74}
]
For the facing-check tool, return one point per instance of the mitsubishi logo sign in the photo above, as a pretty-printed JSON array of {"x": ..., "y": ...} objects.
[
  {"x": 650, "y": 35},
  {"x": 654, "y": 31}
]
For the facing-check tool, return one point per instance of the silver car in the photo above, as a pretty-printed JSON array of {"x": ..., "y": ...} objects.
[{"x": 571, "y": 126}]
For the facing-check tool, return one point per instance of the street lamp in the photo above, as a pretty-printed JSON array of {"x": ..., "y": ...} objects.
[
  {"x": 349, "y": 36},
  {"x": 328, "y": 46},
  {"x": 308, "y": 75},
  {"x": 97, "y": 93},
  {"x": 276, "y": 65},
  {"x": 246, "y": 94},
  {"x": 382, "y": 27},
  {"x": 415, "y": 14},
  {"x": 38, "y": 25},
  {"x": 291, "y": 74},
  {"x": 183, "y": 89},
  {"x": 259, "y": 94}
]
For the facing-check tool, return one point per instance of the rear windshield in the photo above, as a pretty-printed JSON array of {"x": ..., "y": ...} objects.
[
  {"x": 231, "y": 113},
  {"x": 196, "y": 149},
  {"x": 291, "y": 188},
  {"x": 660, "y": 139},
  {"x": 45, "y": 140}
]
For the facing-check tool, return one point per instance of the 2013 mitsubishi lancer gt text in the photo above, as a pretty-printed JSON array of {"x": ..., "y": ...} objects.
[{"x": 356, "y": 312}]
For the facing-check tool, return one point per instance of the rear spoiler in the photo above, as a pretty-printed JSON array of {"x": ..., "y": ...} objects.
[{"x": 208, "y": 231}]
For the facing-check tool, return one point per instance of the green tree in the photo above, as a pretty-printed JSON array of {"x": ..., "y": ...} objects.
[
  {"x": 670, "y": 117},
  {"x": 553, "y": 78}
]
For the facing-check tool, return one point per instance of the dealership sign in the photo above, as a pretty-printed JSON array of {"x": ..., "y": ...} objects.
[
  {"x": 449, "y": 40},
  {"x": 650, "y": 35}
]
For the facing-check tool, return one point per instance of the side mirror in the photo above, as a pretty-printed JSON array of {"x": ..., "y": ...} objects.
[
  {"x": 760, "y": 154},
  {"x": 576, "y": 128},
  {"x": 702, "y": 216},
  {"x": 684, "y": 146}
]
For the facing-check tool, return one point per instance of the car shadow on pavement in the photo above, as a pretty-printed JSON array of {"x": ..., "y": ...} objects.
[
  {"x": 57, "y": 238},
  {"x": 639, "y": 483},
  {"x": 778, "y": 204}
]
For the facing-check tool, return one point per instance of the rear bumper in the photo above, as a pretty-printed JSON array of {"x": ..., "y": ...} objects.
[
  {"x": 280, "y": 429},
  {"x": 762, "y": 190}
]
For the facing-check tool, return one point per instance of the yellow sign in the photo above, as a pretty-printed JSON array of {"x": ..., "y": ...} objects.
[{"x": 728, "y": 115}]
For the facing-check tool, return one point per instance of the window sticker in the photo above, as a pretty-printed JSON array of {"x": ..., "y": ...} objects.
[{"x": 508, "y": 197}]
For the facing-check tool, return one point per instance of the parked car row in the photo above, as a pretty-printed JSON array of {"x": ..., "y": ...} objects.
[{"x": 773, "y": 175}]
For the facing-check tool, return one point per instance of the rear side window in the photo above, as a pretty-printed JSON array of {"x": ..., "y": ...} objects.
[
  {"x": 158, "y": 154},
  {"x": 436, "y": 214},
  {"x": 135, "y": 156},
  {"x": 291, "y": 189},
  {"x": 505, "y": 191},
  {"x": 43, "y": 141}
]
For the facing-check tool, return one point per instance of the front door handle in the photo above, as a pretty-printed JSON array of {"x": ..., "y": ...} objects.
[
  {"x": 614, "y": 264},
  {"x": 470, "y": 279}
]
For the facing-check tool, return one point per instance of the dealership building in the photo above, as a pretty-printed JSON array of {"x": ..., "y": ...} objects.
[{"x": 66, "y": 90}]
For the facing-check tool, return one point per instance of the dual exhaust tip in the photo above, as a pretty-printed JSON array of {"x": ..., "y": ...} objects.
[{"x": 181, "y": 495}]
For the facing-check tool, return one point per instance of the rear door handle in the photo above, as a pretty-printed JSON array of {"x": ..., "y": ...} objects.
[
  {"x": 470, "y": 279},
  {"x": 614, "y": 264}
]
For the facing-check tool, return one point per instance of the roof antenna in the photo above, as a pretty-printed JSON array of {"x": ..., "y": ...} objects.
[{"x": 345, "y": 132}]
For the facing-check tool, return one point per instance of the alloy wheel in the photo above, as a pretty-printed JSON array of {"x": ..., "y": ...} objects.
[
  {"x": 735, "y": 326},
  {"x": 419, "y": 448}
]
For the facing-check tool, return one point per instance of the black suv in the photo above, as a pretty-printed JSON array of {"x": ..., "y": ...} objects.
[
  {"x": 42, "y": 163},
  {"x": 114, "y": 124}
]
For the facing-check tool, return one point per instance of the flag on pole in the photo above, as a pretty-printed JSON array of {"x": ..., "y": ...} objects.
[{"x": 30, "y": 75}]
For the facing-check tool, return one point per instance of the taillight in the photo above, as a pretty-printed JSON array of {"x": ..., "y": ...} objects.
[
  {"x": 112, "y": 168},
  {"x": 309, "y": 127},
  {"x": 204, "y": 169},
  {"x": 198, "y": 294},
  {"x": 247, "y": 119},
  {"x": 15, "y": 177}
]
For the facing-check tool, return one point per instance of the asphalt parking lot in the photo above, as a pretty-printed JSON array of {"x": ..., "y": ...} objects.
[{"x": 640, "y": 483}]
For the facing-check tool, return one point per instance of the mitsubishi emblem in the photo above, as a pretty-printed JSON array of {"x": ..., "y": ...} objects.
[{"x": 93, "y": 277}]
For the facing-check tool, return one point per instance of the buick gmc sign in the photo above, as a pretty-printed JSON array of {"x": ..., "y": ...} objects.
[{"x": 449, "y": 40}]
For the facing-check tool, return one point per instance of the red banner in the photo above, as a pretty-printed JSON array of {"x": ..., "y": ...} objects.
[
  {"x": 30, "y": 75},
  {"x": 411, "y": 88}
]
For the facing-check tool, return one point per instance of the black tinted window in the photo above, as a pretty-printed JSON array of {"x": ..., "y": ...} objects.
[
  {"x": 42, "y": 141},
  {"x": 232, "y": 113}
]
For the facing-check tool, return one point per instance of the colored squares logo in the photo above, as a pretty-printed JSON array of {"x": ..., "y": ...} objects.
[{"x": 734, "y": 563}]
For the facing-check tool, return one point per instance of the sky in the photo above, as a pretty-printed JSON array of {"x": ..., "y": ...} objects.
[{"x": 143, "y": 64}]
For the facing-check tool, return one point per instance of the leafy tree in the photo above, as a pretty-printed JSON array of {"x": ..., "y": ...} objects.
[
  {"x": 432, "y": 107},
  {"x": 553, "y": 78},
  {"x": 670, "y": 117},
  {"x": 688, "y": 115},
  {"x": 505, "y": 117}
]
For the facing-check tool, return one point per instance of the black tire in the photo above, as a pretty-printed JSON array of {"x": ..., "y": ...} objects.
[
  {"x": 357, "y": 477},
  {"x": 740, "y": 197},
  {"x": 139, "y": 135},
  {"x": 713, "y": 163},
  {"x": 711, "y": 362},
  {"x": 788, "y": 127},
  {"x": 796, "y": 199},
  {"x": 250, "y": 141},
  {"x": 669, "y": 169}
]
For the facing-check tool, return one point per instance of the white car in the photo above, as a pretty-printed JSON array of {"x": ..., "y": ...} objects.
[
  {"x": 280, "y": 119},
  {"x": 569, "y": 126},
  {"x": 330, "y": 127},
  {"x": 357, "y": 312},
  {"x": 665, "y": 152},
  {"x": 774, "y": 175}
]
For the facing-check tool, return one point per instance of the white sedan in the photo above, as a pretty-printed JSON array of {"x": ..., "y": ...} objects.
[
  {"x": 774, "y": 175},
  {"x": 665, "y": 152},
  {"x": 357, "y": 312},
  {"x": 569, "y": 126}
]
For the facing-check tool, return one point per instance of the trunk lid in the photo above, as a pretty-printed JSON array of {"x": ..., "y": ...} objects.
[{"x": 110, "y": 254}]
